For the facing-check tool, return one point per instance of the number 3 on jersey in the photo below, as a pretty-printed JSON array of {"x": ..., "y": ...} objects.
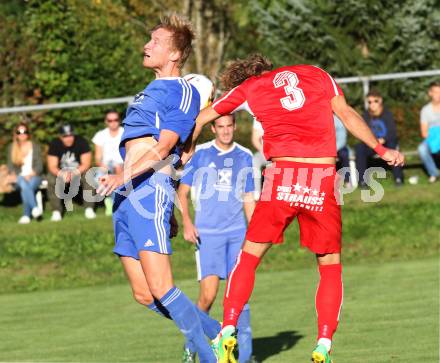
[{"x": 294, "y": 96}]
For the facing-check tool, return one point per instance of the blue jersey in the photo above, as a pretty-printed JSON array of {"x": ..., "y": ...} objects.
[
  {"x": 169, "y": 103},
  {"x": 219, "y": 179}
]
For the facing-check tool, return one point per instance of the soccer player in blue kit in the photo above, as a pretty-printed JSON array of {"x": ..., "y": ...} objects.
[
  {"x": 221, "y": 174},
  {"x": 157, "y": 123}
]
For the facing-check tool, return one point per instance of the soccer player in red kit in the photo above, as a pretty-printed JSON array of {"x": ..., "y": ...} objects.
[{"x": 295, "y": 105}]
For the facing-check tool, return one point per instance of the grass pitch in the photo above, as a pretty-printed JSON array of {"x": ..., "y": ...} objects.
[{"x": 390, "y": 314}]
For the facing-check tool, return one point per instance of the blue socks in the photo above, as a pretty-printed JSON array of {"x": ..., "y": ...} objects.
[
  {"x": 157, "y": 307},
  {"x": 244, "y": 335},
  {"x": 186, "y": 316},
  {"x": 211, "y": 327}
]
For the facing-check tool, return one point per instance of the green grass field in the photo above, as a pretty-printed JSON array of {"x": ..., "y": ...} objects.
[
  {"x": 390, "y": 314},
  {"x": 63, "y": 297}
]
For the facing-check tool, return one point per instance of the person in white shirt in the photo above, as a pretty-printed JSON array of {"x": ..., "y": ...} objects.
[{"x": 107, "y": 155}]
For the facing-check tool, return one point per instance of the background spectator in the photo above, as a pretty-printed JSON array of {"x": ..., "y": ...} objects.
[
  {"x": 381, "y": 122},
  {"x": 341, "y": 146},
  {"x": 430, "y": 130},
  {"x": 107, "y": 155},
  {"x": 25, "y": 166},
  {"x": 69, "y": 157}
]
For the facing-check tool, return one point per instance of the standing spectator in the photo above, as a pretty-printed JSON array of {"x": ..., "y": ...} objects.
[
  {"x": 430, "y": 130},
  {"x": 107, "y": 155},
  {"x": 69, "y": 157},
  {"x": 342, "y": 148},
  {"x": 25, "y": 166},
  {"x": 382, "y": 124},
  {"x": 258, "y": 160}
]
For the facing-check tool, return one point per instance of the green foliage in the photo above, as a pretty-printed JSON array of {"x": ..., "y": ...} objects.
[
  {"x": 67, "y": 50},
  {"x": 358, "y": 38},
  {"x": 77, "y": 50}
]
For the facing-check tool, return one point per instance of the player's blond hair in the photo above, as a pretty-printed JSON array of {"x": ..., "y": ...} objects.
[
  {"x": 183, "y": 34},
  {"x": 238, "y": 71}
]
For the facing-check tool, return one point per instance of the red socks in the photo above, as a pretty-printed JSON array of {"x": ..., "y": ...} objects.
[
  {"x": 329, "y": 299},
  {"x": 239, "y": 288},
  {"x": 328, "y": 296}
]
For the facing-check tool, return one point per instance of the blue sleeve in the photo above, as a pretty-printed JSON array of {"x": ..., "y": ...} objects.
[
  {"x": 189, "y": 170},
  {"x": 249, "y": 185},
  {"x": 181, "y": 109}
]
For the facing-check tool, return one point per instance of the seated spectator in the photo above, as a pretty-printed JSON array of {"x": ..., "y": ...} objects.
[
  {"x": 25, "y": 166},
  {"x": 107, "y": 154},
  {"x": 381, "y": 122},
  {"x": 342, "y": 148},
  {"x": 69, "y": 157},
  {"x": 430, "y": 130},
  {"x": 258, "y": 161}
]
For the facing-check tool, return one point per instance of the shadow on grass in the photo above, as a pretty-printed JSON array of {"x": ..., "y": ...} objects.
[{"x": 266, "y": 347}]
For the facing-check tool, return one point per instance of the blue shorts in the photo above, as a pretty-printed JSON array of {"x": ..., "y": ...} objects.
[
  {"x": 141, "y": 218},
  {"x": 217, "y": 253}
]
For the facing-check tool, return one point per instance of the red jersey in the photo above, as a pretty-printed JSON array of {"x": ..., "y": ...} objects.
[{"x": 293, "y": 105}]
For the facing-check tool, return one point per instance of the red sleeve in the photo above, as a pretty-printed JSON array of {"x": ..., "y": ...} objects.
[
  {"x": 231, "y": 101},
  {"x": 332, "y": 89}
]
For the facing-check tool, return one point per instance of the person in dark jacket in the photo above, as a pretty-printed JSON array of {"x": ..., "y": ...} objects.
[
  {"x": 68, "y": 159},
  {"x": 381, "y": 122},
  {"x": 25, "y": 165}
]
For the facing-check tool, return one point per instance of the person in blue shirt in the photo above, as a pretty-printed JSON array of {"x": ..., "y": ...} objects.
[
  {"x": 221, "y": 176},
  {"x": 157, "y": 123},
  {"x": 382, "y": 124}
]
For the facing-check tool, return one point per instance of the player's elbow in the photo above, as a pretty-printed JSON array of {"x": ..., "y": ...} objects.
[{"x": 341, "y": 108}]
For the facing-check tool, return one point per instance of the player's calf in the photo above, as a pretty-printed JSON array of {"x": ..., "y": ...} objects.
[{"x": 328, "y": 305}]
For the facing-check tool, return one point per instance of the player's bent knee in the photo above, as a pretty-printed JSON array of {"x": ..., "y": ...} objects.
[
  {"x": 143, "y": 298},
  {"x": 159, "y": 288},
  {"x": 206, "y": 299},
  {"x": 329, "y": 258}
]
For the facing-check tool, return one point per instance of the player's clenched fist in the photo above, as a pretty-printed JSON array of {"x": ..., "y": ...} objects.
[
  {"x": 108, "y": 183},
  {"x": 394, "y": 157},
  {"x": 190, "y": 232}
]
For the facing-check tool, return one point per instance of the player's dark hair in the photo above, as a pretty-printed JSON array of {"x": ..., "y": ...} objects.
[
  {"x": 183, "y": 34},
  {"x": 238, "y": 71},
  {"x": 374, "y": 93},
  {"x": 111, "y": 110},
  {"x": 434, "y": 84},
  {"x": 233, "y": 119}
]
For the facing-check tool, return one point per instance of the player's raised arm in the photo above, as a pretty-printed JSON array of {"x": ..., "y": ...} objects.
[
  {"x": 205, "y": 116},
  {"x": 151, "y": 159},
  {"x": 358, "y": 128},
  {"x": 139, "y": 160}
]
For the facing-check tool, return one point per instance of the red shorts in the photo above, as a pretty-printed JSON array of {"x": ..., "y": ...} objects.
[{"x": 303, "y": 190}]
